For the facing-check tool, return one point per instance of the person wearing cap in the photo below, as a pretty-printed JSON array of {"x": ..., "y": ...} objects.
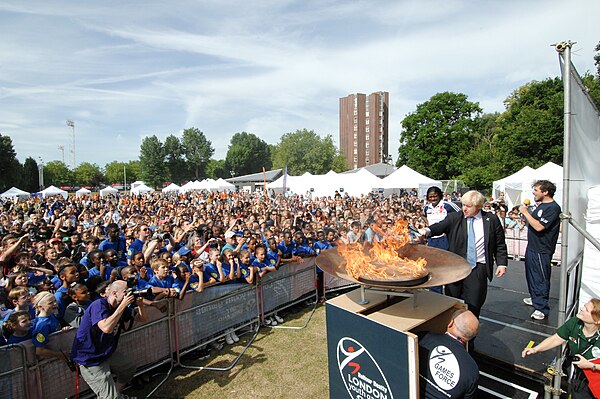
[
  {"x": 185, "y": 256},
  {"x": 231, "y": 242}
]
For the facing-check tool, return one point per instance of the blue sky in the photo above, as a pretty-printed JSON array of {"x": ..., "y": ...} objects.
[{"x": 125, "y": 70}]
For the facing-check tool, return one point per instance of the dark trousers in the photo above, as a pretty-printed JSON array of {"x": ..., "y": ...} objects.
[
  {"x": 472, "y": 289},
  {"x": 537, "y": 273}
]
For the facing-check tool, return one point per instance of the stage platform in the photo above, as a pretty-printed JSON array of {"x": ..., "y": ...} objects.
[{"x": 505, "y": 329}]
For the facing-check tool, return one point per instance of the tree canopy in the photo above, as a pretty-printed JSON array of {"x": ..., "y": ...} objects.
[
  {"x": 10, "y": 167},
  {"x": 247, "y": 154},
  {"x": 152, "y": 156},
  {"x": 197, "y": 150},
  {"x": 305, "y": 151},
  {"x": 436, "y": 136}
]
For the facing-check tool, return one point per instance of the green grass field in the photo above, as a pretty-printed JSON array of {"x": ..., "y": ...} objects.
[{"x": 280, "y": 363}]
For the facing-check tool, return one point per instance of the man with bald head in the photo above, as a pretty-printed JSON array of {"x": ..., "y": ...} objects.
[
  {"x": 446, "y": 369},
  {"x": 97, "y": 338}
]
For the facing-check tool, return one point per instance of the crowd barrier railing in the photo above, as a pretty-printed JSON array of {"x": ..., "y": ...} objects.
[
  {"x": 200, "y": 318},
  {"x": 516, "y": 243}
]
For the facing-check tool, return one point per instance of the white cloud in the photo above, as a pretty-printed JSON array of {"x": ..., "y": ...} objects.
[{"x": 123, "y": 72}]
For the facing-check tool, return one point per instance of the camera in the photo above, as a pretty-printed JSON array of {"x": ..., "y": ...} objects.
[
  {"x": 162, "y": 236},
  {"x": 571, "y": 358},
  {"x": 132, "y": 284}
]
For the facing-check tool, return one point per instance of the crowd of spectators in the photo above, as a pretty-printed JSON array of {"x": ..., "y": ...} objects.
[{"x": 58, "y": 255}]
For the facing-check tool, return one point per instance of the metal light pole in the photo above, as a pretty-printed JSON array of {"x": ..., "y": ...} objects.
[
  {"x": 62, "y": 149},
  {"x": 71, "y": 124},
  {"x": 41, "y": 174}
]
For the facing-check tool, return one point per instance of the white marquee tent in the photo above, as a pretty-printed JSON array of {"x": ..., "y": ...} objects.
[
  {"x": 193, "y": 185},
  {"x": 15, "y": 193},
  {"x": 141, "y": 189},
  {"x": 52, "y": 190},
  {"x": 171, "y": 188},
  {"x": 82, "y": 192},
  {"x": 108, "y": 191},
  {"x": 406, "y": 178},
  {"x": 223, "y": 185},
  {"x": 517, "y": 187}
]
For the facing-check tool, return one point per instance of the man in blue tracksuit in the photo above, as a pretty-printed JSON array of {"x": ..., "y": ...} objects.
[{"x": 543, "y": 226}]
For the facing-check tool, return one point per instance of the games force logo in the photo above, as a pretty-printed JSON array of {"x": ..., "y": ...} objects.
[
  {"x": 444, "y": 367},
  {"x": 360, "y": 372}
]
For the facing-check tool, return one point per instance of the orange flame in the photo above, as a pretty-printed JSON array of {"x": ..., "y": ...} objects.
[{"x": 381, "y": 261}]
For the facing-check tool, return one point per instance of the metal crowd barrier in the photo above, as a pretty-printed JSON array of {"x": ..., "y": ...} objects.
[
  {"x": 516, "y": 243},
  {"x": 189, "y": 324}
]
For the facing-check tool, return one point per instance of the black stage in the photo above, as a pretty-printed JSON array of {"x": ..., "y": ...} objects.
[{"x": 505, "y": 329}]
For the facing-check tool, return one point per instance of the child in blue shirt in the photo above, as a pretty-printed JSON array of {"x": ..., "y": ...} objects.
[
  {"x": 162, "y": 276},
  {"x": 273, "y": 254},
  {"x": 17, "y": 327},
  {"x": 99, "y": 268},
  {"x": 45, "y": 324},
  {"x": 229, "y": 266}
]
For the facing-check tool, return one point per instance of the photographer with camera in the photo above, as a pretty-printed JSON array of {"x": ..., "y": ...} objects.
[
  {"x": 581, "y": 333},
  {"x": 97, "y": 338}
]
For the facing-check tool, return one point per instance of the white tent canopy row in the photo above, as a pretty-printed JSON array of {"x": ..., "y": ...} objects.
[
  {"x": 354, "y": 184},
  {"x": 208, "y": 185},
  {"x": 517, "y": 187}
]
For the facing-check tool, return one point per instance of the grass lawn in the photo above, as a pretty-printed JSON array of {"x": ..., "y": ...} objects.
[{"x": 280, "y": 363}]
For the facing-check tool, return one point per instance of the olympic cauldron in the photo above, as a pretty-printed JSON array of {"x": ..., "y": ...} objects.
[
  {"x": 374, "y": 329},
  {"x": 443, "y": 267}
]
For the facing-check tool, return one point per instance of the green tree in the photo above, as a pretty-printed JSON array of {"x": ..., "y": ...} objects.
[
  {"x": 178, "y": 168},
  {"x": 305, "y": 151},
  {"x": 152, "y": 157},
  {"x": 216, "y": 168},
  {"x": 10, "y": 167},
  {"x": 134, "y": 170},
  {"x": 56, "y": 173},
  {"x": 114, "y": 172},
  {"x": 247, "y": 154},
  {"x": 436, "y": 137},
  {"x": 481, "y": 164},
  {"x": 88, "y": 174},
  {"x": 197, "y": 150},
  {"x": 531, "y": 129},
  {"x": 30, "y": 178}
]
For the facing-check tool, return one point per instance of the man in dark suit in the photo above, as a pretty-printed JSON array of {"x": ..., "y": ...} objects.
[{"x": 477, "y": 236}]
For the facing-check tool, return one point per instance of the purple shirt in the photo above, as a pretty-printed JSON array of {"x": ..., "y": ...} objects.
[{"x": 91, "y": 346}]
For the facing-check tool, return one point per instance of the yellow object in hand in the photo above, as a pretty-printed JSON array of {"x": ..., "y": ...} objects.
[{"x": 530, "y": 344}]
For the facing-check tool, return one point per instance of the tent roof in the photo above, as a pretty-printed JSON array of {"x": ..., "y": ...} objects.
[
  {"x": 14, "y": 192},
  {"x": 171, "y": 187},
  {"x": 380, "y": 169},
  {"x": 258, "y": 177},
  {"x": 52, "y": 190},
  {"x": 405, "y": 177}
]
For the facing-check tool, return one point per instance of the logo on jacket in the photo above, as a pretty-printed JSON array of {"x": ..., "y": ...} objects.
[{"x": 444, "y": 367}]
